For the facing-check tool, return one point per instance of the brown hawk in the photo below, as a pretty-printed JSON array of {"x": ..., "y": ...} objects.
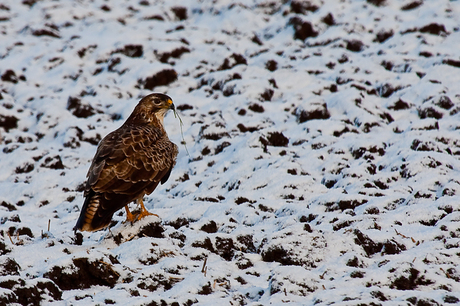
[{"x": 129, "y": 163}]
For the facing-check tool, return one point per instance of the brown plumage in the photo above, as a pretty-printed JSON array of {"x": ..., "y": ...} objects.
[{"x": 129, "y": 163}]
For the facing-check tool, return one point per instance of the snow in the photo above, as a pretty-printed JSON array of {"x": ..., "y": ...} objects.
[{"x": 315, "y": 171}]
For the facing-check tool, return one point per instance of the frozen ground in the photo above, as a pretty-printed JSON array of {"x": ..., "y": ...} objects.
[{"x": 323, "y": 141}]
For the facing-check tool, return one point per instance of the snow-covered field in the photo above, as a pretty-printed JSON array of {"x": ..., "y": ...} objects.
[{"x": 323, "y": 151}]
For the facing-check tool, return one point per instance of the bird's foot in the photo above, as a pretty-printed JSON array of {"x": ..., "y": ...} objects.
[
  {"x": 144, "y": 213},
  {"x": 129, "y": 216}
]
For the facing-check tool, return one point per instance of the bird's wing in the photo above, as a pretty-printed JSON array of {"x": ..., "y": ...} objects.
[{"x": 130, "y": 160}]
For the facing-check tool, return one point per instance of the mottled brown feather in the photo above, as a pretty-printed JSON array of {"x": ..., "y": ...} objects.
[{"x": 129, "y": 163}]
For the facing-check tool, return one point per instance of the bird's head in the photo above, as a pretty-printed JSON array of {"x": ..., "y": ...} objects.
[{"x": 154, "y": 105}]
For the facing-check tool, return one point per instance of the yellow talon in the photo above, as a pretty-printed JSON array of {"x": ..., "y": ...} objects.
[
  {"x": 129, "y": 215},
  {"x": 144, "y": 212}
]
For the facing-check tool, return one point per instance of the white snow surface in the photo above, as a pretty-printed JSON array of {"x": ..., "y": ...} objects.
[{"x": 318, "y": 169}]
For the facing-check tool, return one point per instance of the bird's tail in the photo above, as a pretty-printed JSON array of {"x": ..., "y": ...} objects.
[{"x": 93, "y": 216}]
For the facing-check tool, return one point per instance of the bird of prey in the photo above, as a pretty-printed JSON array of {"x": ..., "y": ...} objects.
[{"x": 129, "y": 163}]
